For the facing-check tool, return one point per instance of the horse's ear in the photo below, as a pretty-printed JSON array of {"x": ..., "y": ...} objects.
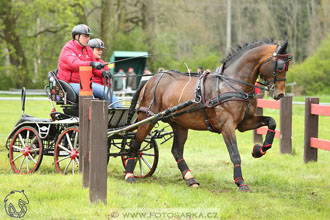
[{"x": 283, "y": 48}]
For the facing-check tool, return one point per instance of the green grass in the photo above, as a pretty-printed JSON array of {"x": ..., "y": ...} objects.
[{"x": 283, "y": 186}]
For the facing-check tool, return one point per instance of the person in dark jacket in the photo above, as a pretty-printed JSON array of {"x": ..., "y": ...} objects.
[{"x": 131, "y": 79}]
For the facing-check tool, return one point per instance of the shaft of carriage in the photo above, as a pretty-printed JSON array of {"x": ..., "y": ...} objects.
[{"x": 155, "y": 117}]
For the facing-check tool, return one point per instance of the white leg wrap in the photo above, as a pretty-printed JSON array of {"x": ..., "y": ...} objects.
[
  {"x": 128, "y": 175},
  {"x": 188, "y": 175}
]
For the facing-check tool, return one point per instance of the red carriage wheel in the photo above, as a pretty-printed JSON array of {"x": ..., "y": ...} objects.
[
  {"x": 25, "y": 151},
  {"x": 66, "y": 153},
  {"x": 147, "y": 159}
]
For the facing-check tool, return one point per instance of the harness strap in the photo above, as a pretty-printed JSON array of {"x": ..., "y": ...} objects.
[
  {"x": 238, "y": 95},
  {"x": 145, "y": 110},
  {"x": 208, "y": 123},
  {"x": 153, "y": 97}
]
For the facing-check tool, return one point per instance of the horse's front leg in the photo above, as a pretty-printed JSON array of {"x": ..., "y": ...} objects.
[
  {"x": 141, "y": 134},
  {"x": 180, "y": 137},
  {"x": 229, "y": 136},
  {"x": 256, "y": 122}
]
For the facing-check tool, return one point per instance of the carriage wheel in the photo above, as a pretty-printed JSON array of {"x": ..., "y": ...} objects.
[
  {"x": 25, "y": 151},
  {"x": 147, "y": 159},
  {"x": 66, "y": 153}
]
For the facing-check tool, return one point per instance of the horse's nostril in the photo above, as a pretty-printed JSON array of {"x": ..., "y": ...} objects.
[{"x": 279, "y": 96}]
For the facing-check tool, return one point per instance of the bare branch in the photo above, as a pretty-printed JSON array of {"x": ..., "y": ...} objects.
[{"x": 48, "y": 30}]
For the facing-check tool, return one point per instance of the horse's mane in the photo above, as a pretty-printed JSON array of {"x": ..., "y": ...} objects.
[{"x": 240, "y": 49}]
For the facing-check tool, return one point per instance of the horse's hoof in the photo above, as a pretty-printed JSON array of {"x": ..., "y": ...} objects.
[
  {"x": 244, "y": 188},
  {"x": 130, "y": 180},
  {"x": 257, "y": 151},
  {"x": 192, "y": 182}
]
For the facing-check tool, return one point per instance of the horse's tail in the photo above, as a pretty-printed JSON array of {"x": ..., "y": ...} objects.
[{"x": 134, "y": 102}]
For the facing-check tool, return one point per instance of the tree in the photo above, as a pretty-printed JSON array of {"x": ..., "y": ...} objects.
[
  {"x": 15, "y": 49},
  {"x": 313, "y": 75}
]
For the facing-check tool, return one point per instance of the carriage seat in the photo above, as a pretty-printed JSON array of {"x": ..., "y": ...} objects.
[{"x": 60, "y": 91}]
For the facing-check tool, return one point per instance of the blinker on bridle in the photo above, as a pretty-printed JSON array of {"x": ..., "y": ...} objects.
[{"x": 281, "y": 64}]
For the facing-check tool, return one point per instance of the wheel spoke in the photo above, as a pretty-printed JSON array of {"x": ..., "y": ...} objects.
[
  {"x": 17, "y": 148},
  {"x": 32, "y": 141},
  {"x": 28, "y": 135},
  {"x": 75, "y": 140},
  {"x": 67, "y": 166},
  {"x": 69, "y": 140},
  {"x": 20, "y": 166},
  {"x": 148, "y": 154},
  {"x": 21, "y": 139},
  {"x": 64, "y": 148},
  {"x": 31, "y": 158},
  {"x": 73, "y": 167},
  {"x": 63, "y": 158},
  {"x": 34, "y": 150},
  {"x": 77, "y": 161},
  {"x": 27, "y": 164},
  {"x": 146, "y": 162},
  {"x": 144, "y": 148},
  {"x": 18, "y": 156},
  {"x": 141, "y": 168}
]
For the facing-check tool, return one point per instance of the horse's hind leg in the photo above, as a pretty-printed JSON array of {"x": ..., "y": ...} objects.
[
  {"x": 141, "y": 134},
  {"x": 180, "y": 137},
  {"x": 256, "y": 122},
  {"x": 228, "y": 134}
]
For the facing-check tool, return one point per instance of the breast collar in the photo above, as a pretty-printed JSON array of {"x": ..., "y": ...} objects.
[{"x": 236, "y": 95}]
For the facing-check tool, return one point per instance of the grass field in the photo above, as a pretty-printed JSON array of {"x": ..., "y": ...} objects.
[{"x": 283, "y": 186}]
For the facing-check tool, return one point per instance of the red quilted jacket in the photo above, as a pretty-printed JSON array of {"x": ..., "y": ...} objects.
[{"x": 72, "y": 56}]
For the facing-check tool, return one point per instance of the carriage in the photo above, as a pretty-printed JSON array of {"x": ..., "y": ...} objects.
[{"x": 58, "y": 136}]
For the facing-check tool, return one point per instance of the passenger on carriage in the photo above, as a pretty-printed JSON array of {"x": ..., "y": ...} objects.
[
  {"x": 76, "y": 53},
  {"x": 97, "y": 46}
]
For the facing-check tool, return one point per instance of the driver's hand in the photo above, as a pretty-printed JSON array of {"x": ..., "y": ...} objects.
[{"x": 97, "y": 65}]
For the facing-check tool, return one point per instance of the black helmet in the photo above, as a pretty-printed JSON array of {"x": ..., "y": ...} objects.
[
  {"x": 81, "y": 29},
  {"x": 96, "y": 43}
]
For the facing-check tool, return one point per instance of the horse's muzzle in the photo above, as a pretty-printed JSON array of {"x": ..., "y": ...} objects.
[{"x": 279, "y": 96}]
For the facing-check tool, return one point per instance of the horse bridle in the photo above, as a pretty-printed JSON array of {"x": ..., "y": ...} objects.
[{"x": 281, "y": 64}]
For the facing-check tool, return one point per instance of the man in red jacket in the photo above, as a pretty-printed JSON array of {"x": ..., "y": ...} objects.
[
  {"x": 97, "y": 46},
  {"x": 76, "y": 53}
]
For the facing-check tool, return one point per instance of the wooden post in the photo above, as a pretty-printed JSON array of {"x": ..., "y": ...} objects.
[
  {"x": 311, "y": 130},
  {"x": 286, "y": 125},
  {"x": 84, "y": 125},
  {"x": 98, "y": 151},
  {"x": 85, "y": 96},
  {"x": 257, "y": 138}
]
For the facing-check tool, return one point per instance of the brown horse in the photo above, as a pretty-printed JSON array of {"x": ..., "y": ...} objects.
[{"x": 222, "y": 101}]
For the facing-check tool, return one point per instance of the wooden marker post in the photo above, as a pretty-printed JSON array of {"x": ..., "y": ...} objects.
[
  {"x": 98, "y": 151},
  {"x": 311, "y": 129},
  {"x": 85, "y": 96},
  {"x": 286, "y": 125}
]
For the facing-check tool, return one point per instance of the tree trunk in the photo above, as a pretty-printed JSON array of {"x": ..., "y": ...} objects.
[
  {"x": 121, "y": 16},
  {"x": 79, "y": 11},
  {"x": 16, "y": 53},
  {"x": 106, "y": 24},
  {"x": 148, "y": 25}
]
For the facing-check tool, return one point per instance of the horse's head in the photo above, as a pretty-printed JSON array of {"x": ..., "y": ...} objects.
[{"x": 273, "y": 71}]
